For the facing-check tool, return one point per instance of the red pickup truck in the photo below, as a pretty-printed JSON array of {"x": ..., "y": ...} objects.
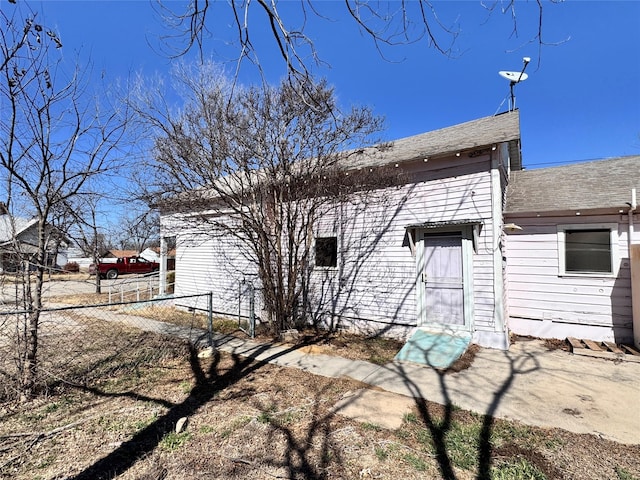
[{"x": 121, "y": 266}]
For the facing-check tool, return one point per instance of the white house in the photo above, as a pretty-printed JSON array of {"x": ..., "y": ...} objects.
[
  {"x": 428, "y": 254},
  {"x": 19, "y": 240},
  {"x": 469, "y": 243},
  {"x": 567, "y": 253}
]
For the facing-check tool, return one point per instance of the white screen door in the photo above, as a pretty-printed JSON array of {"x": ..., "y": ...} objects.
[{"x": 443, "y": 279}]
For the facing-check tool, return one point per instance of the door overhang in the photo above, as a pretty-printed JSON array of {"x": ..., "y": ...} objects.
[{"x": 444, "y": 226}]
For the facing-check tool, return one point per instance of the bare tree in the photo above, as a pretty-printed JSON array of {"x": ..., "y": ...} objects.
[
  {"x": 139, "y": 230},
  {"x": 81, "y": 213},
  {"x": 55, "y": 141},
  {"x": 89, "y": 238},
  {"x": 386, "y": 23},
  {"x": 260, "y": 166}
]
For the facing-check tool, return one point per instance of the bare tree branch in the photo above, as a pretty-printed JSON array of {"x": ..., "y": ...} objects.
[
  {"x": 54, "y": 142},
  {"x": 386, "y": 23},
  {"x": 259, "y": 168},
  {"x": 509, "y": 7}
]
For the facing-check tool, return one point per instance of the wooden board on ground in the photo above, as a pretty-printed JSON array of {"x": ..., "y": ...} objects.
[
  {"x": 630, "y": 350},
  {"x": 575, "y": 343},
  {"x": 593, "y": 345},
  {"x": 613, "y": 347},
  {"x": 606, "y": 350}
]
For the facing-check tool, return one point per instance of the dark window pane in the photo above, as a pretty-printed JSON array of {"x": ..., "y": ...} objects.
[
  {"x": 326, "y": 252},
  {"x": 588, "y": 251}
]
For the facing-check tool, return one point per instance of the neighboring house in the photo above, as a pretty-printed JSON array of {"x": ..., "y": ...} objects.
[
  {"x": 153, "y": 255},
  {"x": 120, "y": 253},
  {"x": 568, "y": 266},
  {"x": 427, "y": 253},
  {"x": 19, "y": 240},
  {"x": 76, "y": 255}
]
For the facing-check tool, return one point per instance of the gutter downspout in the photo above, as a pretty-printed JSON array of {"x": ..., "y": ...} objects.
[
  {"x": 500, "y": 316},
  {"x": 633, "y": 261},
  {"x": 634, "y": 206}
]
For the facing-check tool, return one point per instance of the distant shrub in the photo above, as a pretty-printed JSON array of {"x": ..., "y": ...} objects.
[{"x": 71, "y": 267}]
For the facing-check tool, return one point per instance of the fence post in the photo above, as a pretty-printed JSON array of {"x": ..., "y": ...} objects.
[
  {"x": 252, "y": 310},
  {"x": 240, "y": 302},
  {"x": 210, "y": 317},
  {"x": 162, "y": 274}
]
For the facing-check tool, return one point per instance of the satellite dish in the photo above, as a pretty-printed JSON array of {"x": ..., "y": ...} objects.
[{"x": 514, "y": 76}]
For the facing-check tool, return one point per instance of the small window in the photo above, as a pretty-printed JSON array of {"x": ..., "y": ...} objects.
[
  {"x": 587, "y": 250},
  {"x": 326, "y": 252}
]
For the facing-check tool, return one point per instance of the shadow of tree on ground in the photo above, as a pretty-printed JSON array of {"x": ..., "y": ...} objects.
[
  {"x": 441, "y": 426},
  {"x": 209, "y": 382}
]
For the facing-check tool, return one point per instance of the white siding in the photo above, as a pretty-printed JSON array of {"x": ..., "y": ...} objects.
[
  {"x": 543, "y": 303},
  {"x": 374, "y": 285},
  {"x": 206, "y": 262}
]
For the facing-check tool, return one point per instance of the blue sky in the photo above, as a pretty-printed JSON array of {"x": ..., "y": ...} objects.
[{"x": 581, "y": 101}]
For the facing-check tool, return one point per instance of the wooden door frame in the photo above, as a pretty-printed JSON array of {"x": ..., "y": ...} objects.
[{"x": 467, "y": 237}]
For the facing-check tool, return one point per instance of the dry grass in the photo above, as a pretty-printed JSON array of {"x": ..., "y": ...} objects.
[
  {"x": 115, "y": 418},
  {"x": 251, "y": 420},
  {"x": 81, "y": 299},
  {"x": 373, "y": 349},
  {"x": 54, "y": 277},
  {"x": 556, "y": 344}
]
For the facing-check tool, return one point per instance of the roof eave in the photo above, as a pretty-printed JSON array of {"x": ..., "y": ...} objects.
[
  {"x": 577, "y": 213},
  {"x": 476, "y": 134}
]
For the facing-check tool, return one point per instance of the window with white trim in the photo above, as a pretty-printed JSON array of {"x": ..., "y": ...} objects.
[{"x": 588, "y": 249}]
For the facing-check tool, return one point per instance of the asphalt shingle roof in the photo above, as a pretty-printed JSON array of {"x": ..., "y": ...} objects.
[
  {"x": 465, "y": 136},
  {"x": 598, "y": 184}
]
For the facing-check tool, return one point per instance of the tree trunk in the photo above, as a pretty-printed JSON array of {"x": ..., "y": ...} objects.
[
  {"x": 96, "y": 261},
  {"x": 30, "y": 365},
  {"x": 98, "y": 281}
]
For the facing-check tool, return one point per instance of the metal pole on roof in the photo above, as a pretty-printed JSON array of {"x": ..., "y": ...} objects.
[{"x": 515, "y": 78}]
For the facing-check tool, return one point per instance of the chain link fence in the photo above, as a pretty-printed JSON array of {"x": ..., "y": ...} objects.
[{"x": 83, "y": 344}]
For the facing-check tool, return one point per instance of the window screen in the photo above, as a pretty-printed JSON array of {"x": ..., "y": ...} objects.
[
  {"x": 588, "y": 251},
  {"x": 326, "y": 252}
]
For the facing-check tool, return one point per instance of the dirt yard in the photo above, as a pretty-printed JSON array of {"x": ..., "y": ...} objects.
[{"x": 259, "y": 421}]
